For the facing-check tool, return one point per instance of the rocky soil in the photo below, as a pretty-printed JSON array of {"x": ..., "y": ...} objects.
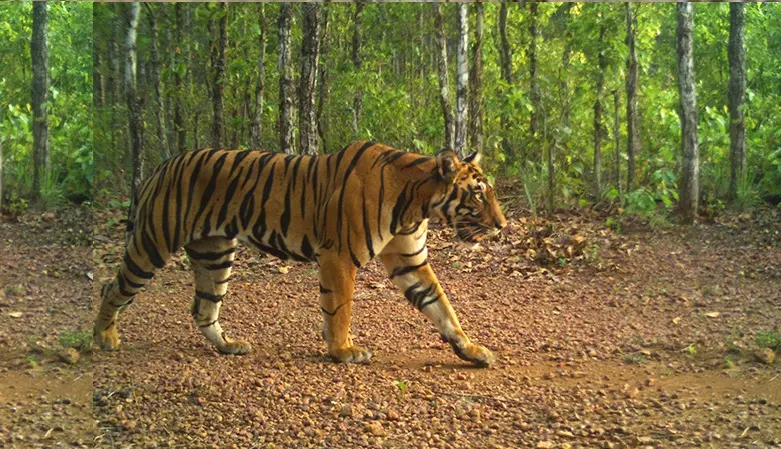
[
  {"x": 645, "y": 339},
  {"x": 604, "y": 339},
  {"x": 45, "y": 308}
]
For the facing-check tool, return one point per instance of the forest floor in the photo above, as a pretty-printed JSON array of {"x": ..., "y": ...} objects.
[
  {"x": 629, "y": 339},
  {"x": 45, "y": 310}
]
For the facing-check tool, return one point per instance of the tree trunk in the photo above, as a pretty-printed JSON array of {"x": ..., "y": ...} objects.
[
  {"x": 565, "y": 57},
  {"x": 179, "y": 126},
  {"x": 98, "y": 86},
  {"x": 322, "y": 74},
  {"x": 287, "y": 144},
  {"x": 310, "y": 55},
  {"x": 218, "y": 85},
  {"x": 617, "y": 138},
  {"x": 690, "y": 166},
  {"x": 602, "y": 64},
  {"x": 632, "y": 131},
  {"x": 462, "y": 80},
  {"x": 476, "y": 84},
  {"x": 737, "y": 94},
  {"x": 533, "y": 85},
  {"x": 256, "y": 132},
  {"x": 505, "y": 57},
  {"x": 116, "y": 70},
  {"x": 357, "y": 63},
  {"x": 134, "y": 108},
  {"x": 40, "y": 96},
  {"x": 444, "y": 83},
  {"x": 165, "y": 150}
]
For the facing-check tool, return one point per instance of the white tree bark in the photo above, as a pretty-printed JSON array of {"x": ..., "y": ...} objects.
[
  {"x": 134, "y": 109},
  {"x": 286, "y": 131},
  {"x": 462, "y": 81},
  {"x": 444, "y": 82}
]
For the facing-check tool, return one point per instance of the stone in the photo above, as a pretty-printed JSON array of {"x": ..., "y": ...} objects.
[{"x": 69, "y": 356}]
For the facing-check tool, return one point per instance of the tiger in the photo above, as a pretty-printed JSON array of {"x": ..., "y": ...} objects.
[{"x": 339, "y": 210}]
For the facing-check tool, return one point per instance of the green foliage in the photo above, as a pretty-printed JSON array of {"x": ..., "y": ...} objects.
[
  {"x": 78, "y": 340},
  {"x": 70, "y": 100},
  {"x": 401, "y": 387},
  {"x": 769, "y": 339}
]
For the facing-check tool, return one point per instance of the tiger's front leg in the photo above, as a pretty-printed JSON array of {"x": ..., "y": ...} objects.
[
  {"x": 337, "y": 284},
  {"x": 414, "y": 277}
]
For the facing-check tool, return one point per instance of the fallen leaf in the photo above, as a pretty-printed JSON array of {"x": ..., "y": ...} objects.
[
  {"x": 712, "y": 314},
  {"x": 15, "y": 314},
  {"x": 676, "y": 320},
  {"x": 284, "y": 270}
]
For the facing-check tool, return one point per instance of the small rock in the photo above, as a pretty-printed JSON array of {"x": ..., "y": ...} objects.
[
  {"x": 766, "y": 356},
  {"x": 69, "y": 356},
  {"x": 545, "y": 445},
  {"x": 375, "y": 429},
  {"x": 347, "y": 410},
  {"x": 392, "y": 415}
]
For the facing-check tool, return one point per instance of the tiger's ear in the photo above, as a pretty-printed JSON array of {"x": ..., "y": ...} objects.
[
  {"x": 473, "y": 158},
  {"x": 448, "y": 165}
]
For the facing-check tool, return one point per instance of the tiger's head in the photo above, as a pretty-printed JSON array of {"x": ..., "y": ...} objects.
[{"x": 469, "y": 202}]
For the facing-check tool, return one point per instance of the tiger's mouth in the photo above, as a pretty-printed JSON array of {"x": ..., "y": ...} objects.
[{"x": 471, "y": 234}]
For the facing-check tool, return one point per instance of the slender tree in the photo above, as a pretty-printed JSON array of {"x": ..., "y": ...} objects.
[
  {"x": 40, "y": 96},
  {"x": 534, "y": 93},
  {"x": 322, "y": 75},
  {"x": 286, "y": 127},
  {"x": 505, "y": 57},
  {"x": 218, "y": 83},
  {"x": 737, "y": 94},
  {"x": 180, "y": 129},
  {"x": 158, "y": 84},
  {"x": 462, "y": 80},
  {"x": 357, "y": 63},
  {"x": 476, "y": 83},
  {"x": 310, "y": 54},
  {"x": 135, "y": 124},
  {"x": 602, "y": 66},
  {"x": 256, "y": 131},
  {"x": 617, "y": 139},
  {"x": 632, "y": 130},
  {"x": 690, "y": 166},
  {"x": 98, "y": 84},
  {"x": 444, "y": 83}
]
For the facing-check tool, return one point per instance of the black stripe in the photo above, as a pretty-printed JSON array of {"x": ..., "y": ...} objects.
[
  {"x": 197, "y": 255},
  {"x": 209, "y": 296},
  {"x": 413, "y": 254},
  {"x": 420, "y": 160},
  {"x": 135, "y": 269},
  {"x": 223, "y": 281},
  {"x": 367, "y": 229},
  {"x": 220, "y": 266},
  {"x": 324, "y": 290},
  {"x": 122, "y": 285},
  {"x": 202, "y": 326},
  {"x": 347, "y": 174},
  {"x": 228, "y": 197},
  {"x": 335, "y": 310},
  {"x": 401, "y": 271},
  {"x": 284, "y": 220}
]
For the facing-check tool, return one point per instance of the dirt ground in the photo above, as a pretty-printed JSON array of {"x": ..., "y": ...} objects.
[
  {"x": 646, "y": 339},
  {"x": 45, "y": 294},
  {"x": 630, "y": 339}
]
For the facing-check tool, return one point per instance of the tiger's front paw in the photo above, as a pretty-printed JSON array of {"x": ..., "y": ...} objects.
[
  {"x": 476, "y": 354},
  {"x": 351, "y": 354},
  {"x": 235, "y": 347},
  {"x": 107, "y": 339}
]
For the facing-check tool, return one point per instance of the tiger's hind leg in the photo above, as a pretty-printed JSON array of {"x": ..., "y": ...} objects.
[
  {"x": 212, "y": 259},
  {"x": 136, "y": 271}
]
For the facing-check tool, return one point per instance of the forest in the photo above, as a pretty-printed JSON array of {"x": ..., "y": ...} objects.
[
  {"x": 576, "y": 104},
  {"x": 45, "y": 80}
]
